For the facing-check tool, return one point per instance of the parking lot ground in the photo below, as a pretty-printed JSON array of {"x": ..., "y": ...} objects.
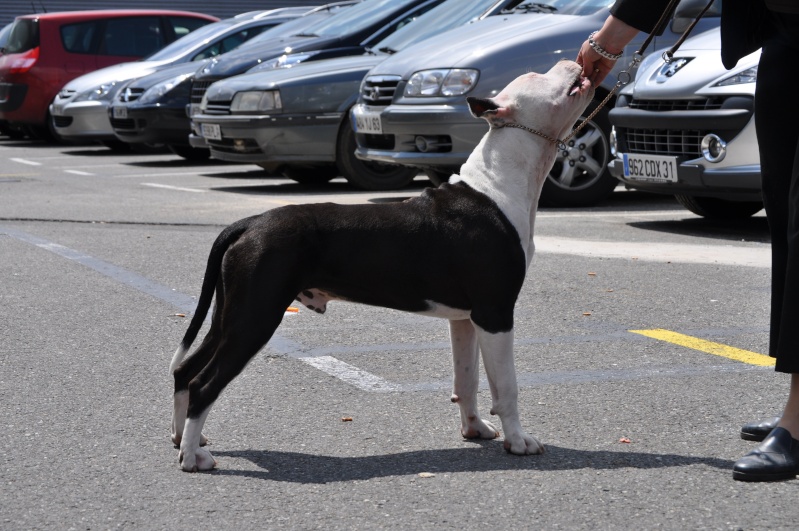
[{"x": 641, "y": 428}]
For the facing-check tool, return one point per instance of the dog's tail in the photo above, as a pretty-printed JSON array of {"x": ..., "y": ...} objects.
[{"x": 212, "y": 270}]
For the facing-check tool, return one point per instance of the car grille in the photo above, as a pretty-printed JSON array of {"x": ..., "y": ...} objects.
[
  {"x": 676, "y": 142},
  {"x": 703, "y": 104},
  {"x": 124, "y": 124},
  {"x": 239, "y": 147},
  {"x": 379, "y": 90},
  {"x": 130, "y": 94},
  {"x": 198, "y": 89},
  {"x": 62, "y": 121},
  {"x": 217, "y": 107}
]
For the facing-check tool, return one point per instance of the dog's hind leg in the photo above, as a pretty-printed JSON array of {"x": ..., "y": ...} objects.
[
  {"x": 497, "y": 349},
  {"x": 466, "y": 361},
  {"x": 183, "y": 372}
]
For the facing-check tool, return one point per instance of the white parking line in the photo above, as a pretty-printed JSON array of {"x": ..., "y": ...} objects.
[
  {"x": 78, "y": 172},
  {"x": 351, "y": 374},
  {"x": 25, "y": 161},
  {"x": 169, "y": 187}
]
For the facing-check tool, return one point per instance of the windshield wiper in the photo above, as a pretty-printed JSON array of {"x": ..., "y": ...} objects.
[
  {"x": 387, "y": 49},
  {"x": 306, "y": 35}
]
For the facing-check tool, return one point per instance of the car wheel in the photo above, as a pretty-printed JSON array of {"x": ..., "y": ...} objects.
[
  {"x": 580, "y": 176},
  {"x": 438, "y": 177},
  {"x": 190, "y": 152},
  {"x": 311, "y": 174},
  {"x": 714, "y": 208},
  {"x": 368, "y": 175}
]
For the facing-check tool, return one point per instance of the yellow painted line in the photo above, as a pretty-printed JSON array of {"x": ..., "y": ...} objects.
[{"x": 717, "y": 349}]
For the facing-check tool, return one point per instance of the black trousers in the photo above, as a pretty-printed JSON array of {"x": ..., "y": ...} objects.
[{"x": 777, "y": 125}]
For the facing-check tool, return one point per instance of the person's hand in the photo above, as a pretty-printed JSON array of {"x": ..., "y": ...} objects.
[
  {"x": 612, "y": 37},
  {"x": 595, "y": 67}
]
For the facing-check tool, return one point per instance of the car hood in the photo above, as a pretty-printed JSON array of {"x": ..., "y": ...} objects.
[
  {"x": 113, "y": 74},
  {"x": 239, "y": 61},
  {"x": 284, "y": 77},
  {"x": 165, "y": 73},
  {"x": 470, "y": 46},
  {"x": 695, "y": 69}
]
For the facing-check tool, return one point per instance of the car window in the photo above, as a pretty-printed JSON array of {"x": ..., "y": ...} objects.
[
  {"x": 132, "y": 36},
  {"x": 230, "y": 42},
  {"x": 4, "y": 33},
  {"x": 79, "y": 37},
  {"x": 450, "y": 14},
  {"x": 356, "y": 18},
  {"x": 24, "y": 36},
  {"x": 179, "y": 47},
  {"x": 288, "y": 28},
  {"x": 182, "y": 26}
]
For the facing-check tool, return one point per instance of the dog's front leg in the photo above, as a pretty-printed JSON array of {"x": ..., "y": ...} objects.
[
  {"x": 465, "y": 358},
  {"x": 497, "y": 352}
]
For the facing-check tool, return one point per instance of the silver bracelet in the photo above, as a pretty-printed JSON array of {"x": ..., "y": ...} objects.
[{"x": 601, "y": 51}]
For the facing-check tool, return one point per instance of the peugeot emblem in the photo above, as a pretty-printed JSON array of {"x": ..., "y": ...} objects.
[{"x": 669, "y": 69}]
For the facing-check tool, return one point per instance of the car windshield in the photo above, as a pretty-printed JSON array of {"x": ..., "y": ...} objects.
[
  {"x": 24, "y": 36},
  {"x": 355, "y": 18},
  {"x": 286, "y": 29},
  {"x": 572, "y": 7},
  {"x": 450, "y": 14},
  {"x": 189, "y": 42}
]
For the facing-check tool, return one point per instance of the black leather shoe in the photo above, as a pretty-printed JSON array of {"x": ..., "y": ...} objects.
[
  {"x": 776, "y": 458},
  {"x": 757, "y": 431}
]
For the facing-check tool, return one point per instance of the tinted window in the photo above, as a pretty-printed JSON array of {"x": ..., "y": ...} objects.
[
  {"x": 80, "y": 37},
  {"x": 132, "y": 37},
  {"x": 229, "y": 43},
  {"x": 24, "y": 36},
  {"x": 357, "y": 18},
  {"x": 182, "y": 26}
]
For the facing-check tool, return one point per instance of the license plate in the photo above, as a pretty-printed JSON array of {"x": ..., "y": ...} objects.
[
  {"x": 120, "y": 112},
  {"x": 367, "y": 122},
  {"x": 657, "y": 168},
  {"x": 194, "y": 108},
  {"x": 58, "y": 110},
  {"x": 211, "y": 131}
]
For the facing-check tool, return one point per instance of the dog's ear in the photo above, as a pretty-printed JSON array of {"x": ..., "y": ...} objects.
[{"x": 488, "y": 109}]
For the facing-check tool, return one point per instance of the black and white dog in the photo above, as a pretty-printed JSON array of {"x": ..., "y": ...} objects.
[{"x": 459, "y": 252}]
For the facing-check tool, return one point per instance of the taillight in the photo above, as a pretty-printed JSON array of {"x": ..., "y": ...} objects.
[{"x": 23, "y": 63}]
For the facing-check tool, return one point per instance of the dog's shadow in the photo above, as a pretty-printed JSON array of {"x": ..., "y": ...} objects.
[{"x": 486, "y": 456}]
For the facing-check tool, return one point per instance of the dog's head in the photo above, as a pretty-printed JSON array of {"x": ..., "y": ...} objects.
[{"x": 550, "y": 103}]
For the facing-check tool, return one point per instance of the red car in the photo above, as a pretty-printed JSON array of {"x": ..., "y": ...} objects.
[{"x": 45, "y": 51}]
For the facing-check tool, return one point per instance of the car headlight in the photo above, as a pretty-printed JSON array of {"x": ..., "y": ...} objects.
[
  {"x": 256, "y": 101},
  {"x": 284, "y": 61},
  {"x": 104, "y": 92},
  {"x": 156, "y": 92},
  {"x": 445, "y": 82},
  {"x": 746, "y": 76}
]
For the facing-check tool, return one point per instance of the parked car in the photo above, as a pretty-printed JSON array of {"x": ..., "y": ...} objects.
[
  {"x": 349, "y": 33},
  {"x": 296, "y": 120},
  {"x": 47, "y": 50},
  {"x": 80, "y": 110},
  {"x": 152, "y": 109},
  {"x": 412, "y": 109},
  {"x": 687, "y": 128}
]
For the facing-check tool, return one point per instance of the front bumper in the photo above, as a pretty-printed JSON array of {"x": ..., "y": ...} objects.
[
  {"x": 450, "y": 133},
  {"x": 270, "y": 138},
  {"x": 155, "y": 124},
  {"x": 85, "y": 120}
]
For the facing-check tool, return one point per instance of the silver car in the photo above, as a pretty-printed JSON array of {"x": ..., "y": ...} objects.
[
  {"x": 687, "y": 128},
  {"x": 80, "y": 110},
  {"x": 301, "y": 124},
  {"x": 412, "y": 110}
]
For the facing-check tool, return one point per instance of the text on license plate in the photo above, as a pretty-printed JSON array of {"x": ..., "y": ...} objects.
[
  {"x": 211, "y": 131},
  {"x": 120, "y": 112},
  {"x": 661, "y": 168},
  {"x": 368, "y": 123}
]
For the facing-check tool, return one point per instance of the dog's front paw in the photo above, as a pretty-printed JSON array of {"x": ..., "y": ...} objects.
[
  {"x": 477, "y": 428},
  {"x": 523, "y": 444},
  {"x": 198, "y": 461}
]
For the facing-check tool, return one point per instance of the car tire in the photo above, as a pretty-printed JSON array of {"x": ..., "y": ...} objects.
[
  {"x": 311, "y": 174},
  {"x": 715, "y": 208},
  {"x": 580, "y": 176},
  {"x": 190, "y": 152},
  {"x": 368, "y": 175}
]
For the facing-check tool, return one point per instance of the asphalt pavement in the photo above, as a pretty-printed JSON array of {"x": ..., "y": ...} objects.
[{"x": 640, "y": 334}]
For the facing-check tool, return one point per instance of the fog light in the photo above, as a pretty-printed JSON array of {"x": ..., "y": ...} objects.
[
  {"x": 614, "y": 147},
  {"x": 713, "y": 148},
  {"x": 239, "y": 145},
  {"x": 421, "y": 144}
]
